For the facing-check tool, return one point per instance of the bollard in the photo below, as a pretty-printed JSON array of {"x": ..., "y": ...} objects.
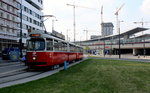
[{"x": 65, "y": 65}]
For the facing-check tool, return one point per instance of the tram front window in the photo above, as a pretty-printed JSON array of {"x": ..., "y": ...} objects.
[{"x": 36, "y": 45}]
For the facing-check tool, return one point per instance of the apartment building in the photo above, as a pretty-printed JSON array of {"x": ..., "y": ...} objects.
[
  {"x": 31, "y": 17},
  {"x": 8, "y": 24},
  {"x": 18, "y": 16}
]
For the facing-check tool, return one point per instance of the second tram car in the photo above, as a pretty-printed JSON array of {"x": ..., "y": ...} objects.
[{"x": 46, "y": 50}]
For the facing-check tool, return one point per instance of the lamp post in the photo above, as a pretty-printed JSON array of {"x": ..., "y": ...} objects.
[
  {"x": 53, "y": 20},
  {"x": 20, "y": 40},
  {"x": 67, "y": 34},
  {"x": 119, "y": 38}
]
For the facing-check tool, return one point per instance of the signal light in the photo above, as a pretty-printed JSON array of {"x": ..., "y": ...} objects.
[{"x": 35, "y": 35}]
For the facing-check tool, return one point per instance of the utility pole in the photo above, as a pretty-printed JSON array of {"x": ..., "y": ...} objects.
[
  {"x": 20, "y": 30},
  {"x": 142, "y": 24},
  {"x": 74, "y": 21},
  {"x": 101, "y": 14},
  {"x": 53, "y": 20},
  {"x": 118, "y": 26},
  {"x": 102, "y": 29},
  {"x": 67, "y": 35}
]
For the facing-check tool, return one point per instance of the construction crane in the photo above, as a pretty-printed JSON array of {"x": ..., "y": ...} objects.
[
  {"x": 86, "y": 34},
  {"x": 141, "y": 22},
  {"x": 74, "y": 20},
  {"x": 117, "y": 13},
  {"x": 118, "y": 26},
  {"x": 101, "y": 14}
]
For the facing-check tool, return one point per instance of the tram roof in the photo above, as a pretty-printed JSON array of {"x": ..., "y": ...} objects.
[{"x": 48, "y": 35}]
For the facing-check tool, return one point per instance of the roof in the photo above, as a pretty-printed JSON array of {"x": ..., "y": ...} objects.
[{"x": 130, "y": 32}]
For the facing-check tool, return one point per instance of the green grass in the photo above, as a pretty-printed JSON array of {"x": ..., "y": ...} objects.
[{"x": 92, "y": 76}]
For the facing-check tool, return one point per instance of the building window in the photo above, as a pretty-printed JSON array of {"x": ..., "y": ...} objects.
[
  {"x": 13, "y": 31},
  {"x": 1, "y": 4},
  {"x": 1, "y": 27},
  {"x": 8, "y": 7},
  {"x": 8, "y": 16},
  {"x": 30, "y": 20},
  {"x": 1, "y": 14},
  {"x": 13, "y": 18},
  {"x": 19, "y": 5},
  {"x": 31, "y": 12},
  {"x": 7, "y": 29},
  {"x": 25, "y": 9},
  {"x": 13, "y": 10}
]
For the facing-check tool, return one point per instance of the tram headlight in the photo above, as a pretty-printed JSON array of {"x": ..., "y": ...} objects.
[{"x": 34, "y": 58}]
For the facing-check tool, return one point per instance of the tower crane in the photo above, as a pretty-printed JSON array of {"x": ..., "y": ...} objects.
[
  {"x": 118, "y": 26},
  {"x": 117, "y": 13},
  {"x": 141, "y": 22},
  {"x": 74, "y": 20}
]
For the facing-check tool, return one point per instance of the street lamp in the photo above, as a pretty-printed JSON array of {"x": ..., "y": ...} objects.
[
  {"x": 20, "y": 40},
  {"x": 119, "y": 38},
  {"x": 53, "y": 20},
  {"x": 67, "y": 34}
]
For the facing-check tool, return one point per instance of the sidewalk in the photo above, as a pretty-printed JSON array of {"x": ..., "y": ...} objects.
[
  {"x": 6, "y": 61},
  {"x": 128, "y": 56}
]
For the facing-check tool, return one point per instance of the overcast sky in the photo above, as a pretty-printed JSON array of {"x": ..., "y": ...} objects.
[{"x": 90, "y": 19}]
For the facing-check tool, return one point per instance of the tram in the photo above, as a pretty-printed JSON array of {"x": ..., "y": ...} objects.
[{"x": 46, "y": 50}]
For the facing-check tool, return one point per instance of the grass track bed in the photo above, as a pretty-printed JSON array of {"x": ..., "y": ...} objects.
[{"x": 92, "y": 76}]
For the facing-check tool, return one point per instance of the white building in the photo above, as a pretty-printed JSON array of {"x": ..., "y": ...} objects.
[
  {"x": 8, "y": 24},
  {"x": 31, "y": 16},
  {"x": 10, "y": 20}
]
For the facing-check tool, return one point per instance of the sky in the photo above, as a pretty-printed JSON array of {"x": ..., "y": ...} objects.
[{"x": 88, "y": 16}]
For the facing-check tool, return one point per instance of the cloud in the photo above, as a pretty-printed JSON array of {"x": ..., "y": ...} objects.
[{"x": 145, "y": 7}]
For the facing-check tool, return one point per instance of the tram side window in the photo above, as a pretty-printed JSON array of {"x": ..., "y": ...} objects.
[
  {"x": 81, "y": 50},
  {"x": 78, "y": 49},
  {"x": 56, "y": 46},
  {"x": 64, "y": 46},
  {"x": 60, "y": 44},
  {"x": 72, "y": 48},
  {"x": 49, "y": 44}
]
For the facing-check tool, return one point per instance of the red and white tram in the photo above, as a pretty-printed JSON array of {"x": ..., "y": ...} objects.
[{"x": 46, "y": 50}]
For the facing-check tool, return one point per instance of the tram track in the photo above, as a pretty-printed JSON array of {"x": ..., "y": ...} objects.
[
  {"x": 10, "y": 73},
  {"x": 18, "y": 76},
  {"x": 26, "y": 75},
  {"x": 9, "y": 64}
]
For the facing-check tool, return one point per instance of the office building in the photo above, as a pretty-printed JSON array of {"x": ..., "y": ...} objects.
[
  {"x": 31, "y": 17},
  {"x": 8, "y": 24},
  {"x": 107, "y": 29}
]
